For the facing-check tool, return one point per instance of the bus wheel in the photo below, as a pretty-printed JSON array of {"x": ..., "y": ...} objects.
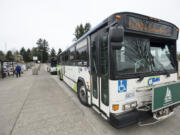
[{"x": 82, "y": 95}]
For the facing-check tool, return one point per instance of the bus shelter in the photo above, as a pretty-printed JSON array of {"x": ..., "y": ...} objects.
[{"x": 1, "y": 69}]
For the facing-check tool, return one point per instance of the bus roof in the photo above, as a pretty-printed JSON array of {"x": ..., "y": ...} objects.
[{"x": 145, "y": 16}]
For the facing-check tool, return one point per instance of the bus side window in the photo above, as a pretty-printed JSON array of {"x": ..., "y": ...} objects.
[
  {"x": 66, "y": 57},
  {"x": 82, "y": 52},
  {"x": 72, "y": 55},
  {"x": 62, "y": 58}
]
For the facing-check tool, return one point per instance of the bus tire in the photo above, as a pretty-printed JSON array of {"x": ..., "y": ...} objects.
[{"x": 82, "y": 94}]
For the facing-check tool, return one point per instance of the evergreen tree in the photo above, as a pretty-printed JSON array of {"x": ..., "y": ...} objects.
[
  {"x": 43, "y": 49},
  {"x": 81, "y": 30},
  {"x": 2, "y": 55},
  {"x": 28, "y": 55},
  {"x": 59, "y": 51},
  {"x": 9, "y": 56},
  {"x": 87, "y": 27},
  {"x": 53, "y": 53},
  {"x": 22, "y": 51},
  {"x": 34, "y": 51}
]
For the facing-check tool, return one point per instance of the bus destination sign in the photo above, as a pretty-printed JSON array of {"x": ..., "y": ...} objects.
[{"x": 149, "y": 26}]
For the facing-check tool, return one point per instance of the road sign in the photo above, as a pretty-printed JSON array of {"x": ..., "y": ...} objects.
[{"x": 35, "y": 58}]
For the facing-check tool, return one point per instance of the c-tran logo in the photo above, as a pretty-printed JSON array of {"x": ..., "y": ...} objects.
[{"x": 168, "y": 96}]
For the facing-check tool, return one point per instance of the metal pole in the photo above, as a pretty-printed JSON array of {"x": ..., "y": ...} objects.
[{"x": 41, "y": 56}]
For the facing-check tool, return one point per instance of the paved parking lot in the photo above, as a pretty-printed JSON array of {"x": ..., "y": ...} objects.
[{"x": 43, "y": 105}]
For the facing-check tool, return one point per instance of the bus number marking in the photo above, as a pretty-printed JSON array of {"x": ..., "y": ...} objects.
[{"x": 129, "y": 95}]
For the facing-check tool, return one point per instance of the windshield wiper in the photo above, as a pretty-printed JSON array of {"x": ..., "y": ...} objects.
[
  {"x": 167, "y": 72},
  {"x": 141, "y": 77}
]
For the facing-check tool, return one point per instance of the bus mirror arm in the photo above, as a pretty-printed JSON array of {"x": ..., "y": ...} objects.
[
  {"x": 111, "y": 25},
  {"x": 116, "y": 34}
]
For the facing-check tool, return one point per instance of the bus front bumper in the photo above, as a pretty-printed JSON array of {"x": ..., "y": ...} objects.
[{"x": 128, "y": 118}]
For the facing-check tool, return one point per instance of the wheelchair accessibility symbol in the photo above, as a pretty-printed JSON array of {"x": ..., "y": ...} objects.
[{"x": 122, "y": 86}]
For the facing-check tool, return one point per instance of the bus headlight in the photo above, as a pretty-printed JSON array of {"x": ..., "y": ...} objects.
[{"x": 130, "y": 106}]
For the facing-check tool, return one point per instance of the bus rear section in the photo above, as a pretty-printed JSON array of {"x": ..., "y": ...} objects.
[{"x": 130, "y": 69}]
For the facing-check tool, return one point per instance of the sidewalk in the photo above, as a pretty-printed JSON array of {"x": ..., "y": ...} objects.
[
  {"x": 33, "y": 105},
  {"x": 13, "y": 93}
]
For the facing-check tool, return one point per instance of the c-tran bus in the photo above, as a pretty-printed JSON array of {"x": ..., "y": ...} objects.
[{"x": 125, "y": 68}]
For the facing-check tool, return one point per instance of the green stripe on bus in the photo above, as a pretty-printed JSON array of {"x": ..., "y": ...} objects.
[
  {"x": 58, "y": 69},
  {"x": 75, "y": 87}
]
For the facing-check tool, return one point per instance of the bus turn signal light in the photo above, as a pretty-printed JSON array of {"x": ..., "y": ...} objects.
[
  {"x": 118, "y": 16},
  {"x": 115, "y": 107}
]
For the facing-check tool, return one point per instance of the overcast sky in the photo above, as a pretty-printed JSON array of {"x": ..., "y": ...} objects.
[{"x": 22, "y": 22}]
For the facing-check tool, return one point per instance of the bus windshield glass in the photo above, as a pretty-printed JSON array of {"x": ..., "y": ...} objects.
[{"x": 139, "y": 55}]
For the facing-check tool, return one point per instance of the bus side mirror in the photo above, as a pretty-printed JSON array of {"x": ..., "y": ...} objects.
[{"x": 116, "y": 34}]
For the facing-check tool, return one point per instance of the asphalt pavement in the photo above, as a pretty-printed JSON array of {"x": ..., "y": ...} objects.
[{"x": 44, "y": 105}]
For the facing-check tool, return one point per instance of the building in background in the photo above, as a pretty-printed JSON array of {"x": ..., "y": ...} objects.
[{"x": 18, "y": 58}]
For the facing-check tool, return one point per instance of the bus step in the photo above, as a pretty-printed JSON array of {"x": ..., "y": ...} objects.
[
  {"x": 96, "y": 109},
  {"x": 104, "y": 116}
]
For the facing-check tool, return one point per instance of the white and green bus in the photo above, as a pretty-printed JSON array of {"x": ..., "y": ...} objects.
[{"x": 125, "y": 68}]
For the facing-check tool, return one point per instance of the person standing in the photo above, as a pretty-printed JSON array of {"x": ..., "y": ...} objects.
[{"x": 18, "y": 71}]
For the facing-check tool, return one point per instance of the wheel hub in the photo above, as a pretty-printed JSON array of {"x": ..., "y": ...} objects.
[{"x": 83, "y": 94}]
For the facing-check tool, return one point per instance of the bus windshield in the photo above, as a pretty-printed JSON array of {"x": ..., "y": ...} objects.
[{"x": 139, "y": 55}]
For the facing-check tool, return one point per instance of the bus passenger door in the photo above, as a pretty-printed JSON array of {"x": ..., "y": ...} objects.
[
  {"x": 94, "y": 69},
  {"x": 103, "y": 72},
  {"x": 99, "y": 71}
]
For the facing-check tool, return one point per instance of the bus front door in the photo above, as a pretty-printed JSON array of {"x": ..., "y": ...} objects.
[
  {"x": 99, "y": 72},
  {"x": 94, "y": 70}
]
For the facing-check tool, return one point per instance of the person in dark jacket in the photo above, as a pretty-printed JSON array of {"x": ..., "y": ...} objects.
[{"x": 18, "y": 71}]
